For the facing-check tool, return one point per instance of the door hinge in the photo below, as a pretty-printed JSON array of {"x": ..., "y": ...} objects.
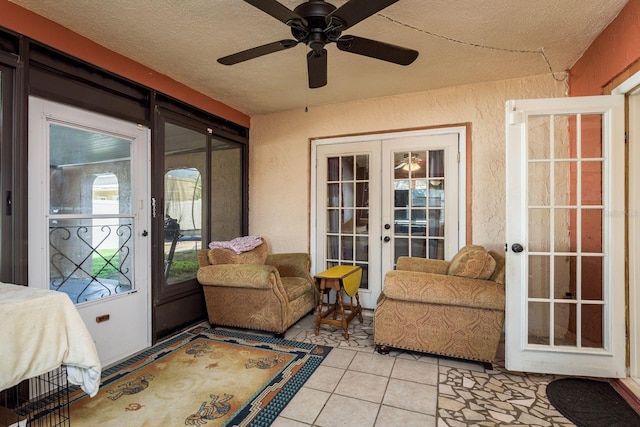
[
  {"x": 515, "y": 116},
  {"x": 626, "y": 137},
  {"x": 458, "y": 157}
]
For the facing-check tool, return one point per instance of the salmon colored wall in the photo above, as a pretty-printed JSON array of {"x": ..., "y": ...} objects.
[
  {"x": 45, "y": 31},
  {"x": 613, "y": 51}
]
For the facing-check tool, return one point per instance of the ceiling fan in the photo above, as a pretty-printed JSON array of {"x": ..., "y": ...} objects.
[
  {"x": 316, "y": 23},
  {"x": 409, "y": 162}
]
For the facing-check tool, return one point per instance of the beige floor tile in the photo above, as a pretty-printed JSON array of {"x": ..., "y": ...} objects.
[
  {"x": 357, "y": 345},
  {"x": 305, "y": 405},
  {"x": 285, "y": 422},
  {"x": 362, "y": 386},
  {"x": 339, "y": 358},
  {"x": 372, "y": 363},
  {"x": 325, "y": 378},
  {"x": 355, "y": 386},
  {"x": 414, "y": 370},
  {"x": 411, "y": 396},
  {"x": 348, "y": 412},
  {"x": 391, "y": 417},
  {"x": 420, "y": 357}
]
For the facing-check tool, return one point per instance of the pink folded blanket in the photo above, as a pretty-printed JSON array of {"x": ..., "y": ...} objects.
[{"x": 239, "y": 244}]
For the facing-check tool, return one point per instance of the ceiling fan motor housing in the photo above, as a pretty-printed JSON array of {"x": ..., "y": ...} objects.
[{"x": 315, "y": 35}]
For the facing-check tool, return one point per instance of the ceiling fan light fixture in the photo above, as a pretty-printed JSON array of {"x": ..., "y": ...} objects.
[
  {"x": 409, "y": 162},
  {"x": 411, "y": 166}
]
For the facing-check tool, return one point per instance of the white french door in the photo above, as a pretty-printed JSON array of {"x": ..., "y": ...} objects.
[
  {"x": 88, "y": 191},
  {"x": 565, "y": 310},
  {"x": 379, "y": 197}
]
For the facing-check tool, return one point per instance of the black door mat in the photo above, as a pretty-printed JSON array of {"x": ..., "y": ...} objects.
[{"x": 591, "y": 403}]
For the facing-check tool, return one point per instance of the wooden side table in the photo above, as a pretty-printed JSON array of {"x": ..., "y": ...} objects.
[{"x": 341, "y": 277}]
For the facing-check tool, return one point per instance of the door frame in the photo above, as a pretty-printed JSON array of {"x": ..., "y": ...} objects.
[
  {"x": 464, "y": 176},
  {"x": 631, "y": 87}
]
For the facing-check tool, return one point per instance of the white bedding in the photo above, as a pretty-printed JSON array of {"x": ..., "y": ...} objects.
[{"x": 41, "y": 330}]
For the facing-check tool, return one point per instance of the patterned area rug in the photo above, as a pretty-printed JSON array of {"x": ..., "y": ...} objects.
[{"x": 202, "y": 377}]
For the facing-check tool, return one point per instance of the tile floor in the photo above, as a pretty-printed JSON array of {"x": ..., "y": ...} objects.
[{"x": 355, "y": 386}]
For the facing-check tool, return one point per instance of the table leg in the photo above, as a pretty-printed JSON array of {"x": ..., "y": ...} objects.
[
  {"x": 359, "y": 308},
  {"x": 345, "y": 324},
  {"x": 320, "y": 302}
]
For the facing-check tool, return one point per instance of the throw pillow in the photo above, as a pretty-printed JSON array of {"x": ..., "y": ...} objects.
[{"x": 472, "y": 262}]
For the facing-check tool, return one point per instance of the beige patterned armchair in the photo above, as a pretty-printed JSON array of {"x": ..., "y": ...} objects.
[
  {"x": 255, "y": 290},
  {"x": 449, "y": 308}
]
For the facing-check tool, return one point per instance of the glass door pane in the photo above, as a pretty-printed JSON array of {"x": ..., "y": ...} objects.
[
  {"x": 226, "y": 190},
  {"x": 90, "y": 213},
  {"x": 347, "y": 213},
  {"x": 184, "y": 187},
  {"x": 565, "y": 213},
  {"x": 418, "y": 204}
]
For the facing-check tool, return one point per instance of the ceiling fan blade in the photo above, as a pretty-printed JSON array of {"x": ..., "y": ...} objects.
[
  {"x": 400, "y": 165},
  {"x": 375, "y": 49},
  {"x": 354, "y": 11},
  {"x": 317, "y": 68},
  {"x": 257, "y": 51},
  {"x": 280, "y": 12}
]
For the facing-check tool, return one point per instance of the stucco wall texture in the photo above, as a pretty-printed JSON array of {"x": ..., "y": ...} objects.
[{"x": 280, "y": 171}]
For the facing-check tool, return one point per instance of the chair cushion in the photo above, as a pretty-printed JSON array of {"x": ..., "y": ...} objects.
[
  {"x": 473, "y": 262},
  {"x": 227, "y": 256},
  {"x": 295, "y": 287}
]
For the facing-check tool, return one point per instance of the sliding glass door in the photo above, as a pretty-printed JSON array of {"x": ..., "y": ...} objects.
[
  {"x": 185, "y": 163},
  {"x": 198, "y": 196},
  {"x": 185, "y": 187}
]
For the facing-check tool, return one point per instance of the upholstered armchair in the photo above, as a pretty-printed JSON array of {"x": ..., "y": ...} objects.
[
  {"x": 255, "y": 290},
  {"x": 451, "y": 308}
]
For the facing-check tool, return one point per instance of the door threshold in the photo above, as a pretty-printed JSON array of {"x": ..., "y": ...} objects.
[{"x": 629, "y": 390}]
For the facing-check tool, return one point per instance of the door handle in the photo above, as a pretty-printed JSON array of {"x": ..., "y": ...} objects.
[
  {"x": 517, "y": 248},
  {"x": 387, "y": 239},
  {"x": 145, "y": 233}
]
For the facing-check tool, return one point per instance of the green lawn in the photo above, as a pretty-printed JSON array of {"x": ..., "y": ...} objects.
[
  {"x": 100, "y": 267},
  {"x": 184, "y": 266}
]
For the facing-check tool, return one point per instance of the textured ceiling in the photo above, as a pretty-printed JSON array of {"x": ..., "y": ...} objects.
[{"x": 460, "y": 42}]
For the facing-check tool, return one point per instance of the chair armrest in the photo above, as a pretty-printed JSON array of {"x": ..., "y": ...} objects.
[
  {"x": 291, "y": 264},
  {"x": 255, "y": 276},
  {"x": 443, "y": 289},
  {"x": 424, "y": 265}
]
